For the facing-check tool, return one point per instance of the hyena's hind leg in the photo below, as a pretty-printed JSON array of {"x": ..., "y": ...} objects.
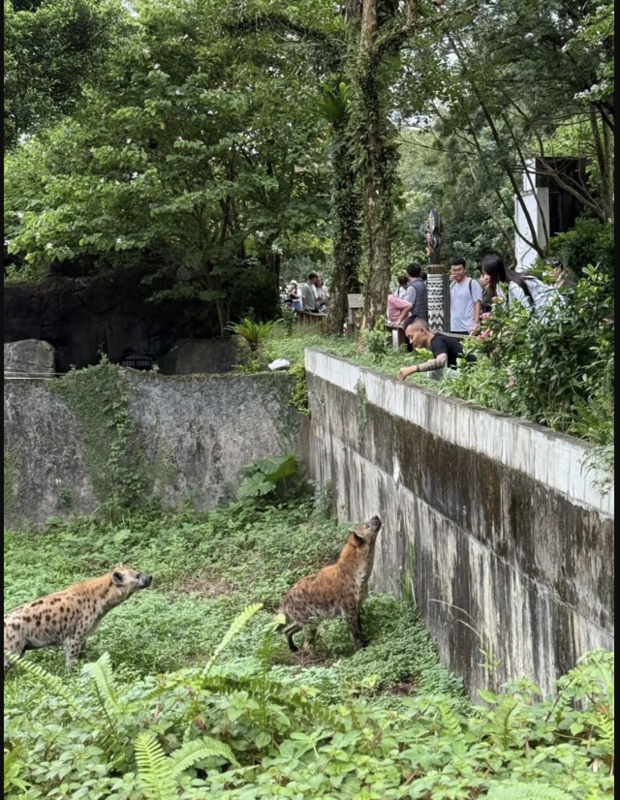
[
  {"x": 292, "y": 630},
  {"x": 354, "y": 619}
]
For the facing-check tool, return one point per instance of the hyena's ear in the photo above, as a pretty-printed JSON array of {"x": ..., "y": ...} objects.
[
  {"x": 118, "y": 578},
  {"x": 359, "y": 539}
]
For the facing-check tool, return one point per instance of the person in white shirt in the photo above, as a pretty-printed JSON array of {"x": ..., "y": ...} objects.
[
  {"x": 321, "y": 294},
  {"x": 526, "y": 290},
  {"x": 403, "y": 285},
  {"x": 309, "y": 299},
  {"x": 465, "y": 299}
]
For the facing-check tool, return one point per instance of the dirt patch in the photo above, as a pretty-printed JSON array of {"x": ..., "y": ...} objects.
[
  {"x": 308, "y": 658},
  {"x": 405, "y": 688},
  {"x": 209, "y": 586}
]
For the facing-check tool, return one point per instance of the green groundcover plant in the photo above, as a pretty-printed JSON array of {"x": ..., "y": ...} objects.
[{"x": 190, "y": 693}]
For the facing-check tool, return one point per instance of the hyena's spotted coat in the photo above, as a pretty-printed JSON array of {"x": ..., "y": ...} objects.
[
  {"x": 66, "y": 619},
  {"x": 338, "y": 590}
]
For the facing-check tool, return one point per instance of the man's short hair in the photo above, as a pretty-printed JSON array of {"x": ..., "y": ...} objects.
[
  {"x": 414, "y": 270},
  {"x": 312, "y": 276},
  {"x": 459, "y": 262},
  {"x": 417, "y": 324}
]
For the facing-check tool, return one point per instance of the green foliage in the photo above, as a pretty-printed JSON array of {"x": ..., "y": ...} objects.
[
  {"x": 269, "y": 477},
  {"x": 14, "y": 767},
  {"x": 553, "y": 368},
  {"x": 288, "y": 320},
  {"x": 254, "y": 333},
  {"x": 251, "y": 336},
  {"x": 191, "y": 147},
  {"x": 235, "y": 735},
  {"x": 333, "y": 103},
  {"x": 99, "y": 398},
  {"x": 299, "y": 397},
  {"x": 233, "y": 719},
  {"x": 589, "y": 243},
  {"x": 376, "y": 341},
  {"x": 50, "y": 49}
]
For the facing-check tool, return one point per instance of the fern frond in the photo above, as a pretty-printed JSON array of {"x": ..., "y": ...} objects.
[
  {"x": 102, "y": 674},
  {"x": 450, "y": 721},
  {"x": 53, "y": 682},
  {"x": 502, "y": 731},
  {"x": 235, "y": 629},
  {"x": 527, "y": 791},
  {"x": 155, "y": 769},
  {"x": 11, "y": 756},
  {"x": 200, "y": 750},
  {"x": 271, "y": 691}
]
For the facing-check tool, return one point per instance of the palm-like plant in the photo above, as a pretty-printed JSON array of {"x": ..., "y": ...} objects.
[{"x": 254, "y": 333}]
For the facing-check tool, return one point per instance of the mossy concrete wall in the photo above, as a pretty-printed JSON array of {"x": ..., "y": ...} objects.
[
  {"x": 192, "y": 434},
  {"x": 509, "y": 540}
]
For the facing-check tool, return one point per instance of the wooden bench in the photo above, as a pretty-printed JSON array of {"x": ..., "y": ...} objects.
[
  {"x": 398, "y": 335},
  {"x": 308, "y": 318}
]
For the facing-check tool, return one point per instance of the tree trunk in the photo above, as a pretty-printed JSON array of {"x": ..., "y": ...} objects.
[
  {"x": 346, "y": 207},
  {"x": 379, "y": 157}
]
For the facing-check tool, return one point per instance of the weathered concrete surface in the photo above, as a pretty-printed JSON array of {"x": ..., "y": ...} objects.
[
  {"x": 200, "y": 356},
  {"x": 209, "y": 428},
  {"x": 44, "y": 463},
  {"x": 199, "y": 431},
  {"x": 29, "y": 357},
  {"x": 509, "y": 534}
]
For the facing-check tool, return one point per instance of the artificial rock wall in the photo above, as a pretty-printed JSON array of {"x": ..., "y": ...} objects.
[
  {"x": 198, "y": 430},
  {"x": 508, "y": 540}
]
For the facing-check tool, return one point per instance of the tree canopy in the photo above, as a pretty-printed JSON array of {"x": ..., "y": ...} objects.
[{"x": 229, "y": 138}]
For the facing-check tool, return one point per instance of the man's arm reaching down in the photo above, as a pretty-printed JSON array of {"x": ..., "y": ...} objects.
[{"x": 434, "y": 364}]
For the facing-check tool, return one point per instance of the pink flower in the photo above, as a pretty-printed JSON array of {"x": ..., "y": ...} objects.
[
  {"x": 512, "y": 383},
  {"x": 486, "y": 315},
  {"x": 486, "y": 334}
]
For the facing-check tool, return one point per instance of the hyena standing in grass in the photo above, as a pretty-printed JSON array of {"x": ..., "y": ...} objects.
[
  {"x": 66, "y": 619},
  {"x": 336, "y": 591}
]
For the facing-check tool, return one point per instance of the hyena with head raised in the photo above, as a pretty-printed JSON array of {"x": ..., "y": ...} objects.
[{"x": 336, "y": 591}]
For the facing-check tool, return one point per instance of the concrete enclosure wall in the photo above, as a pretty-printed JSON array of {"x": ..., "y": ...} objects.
[
  {"x": 201, "y": 430},
  {"x": 507, "y": 537}
]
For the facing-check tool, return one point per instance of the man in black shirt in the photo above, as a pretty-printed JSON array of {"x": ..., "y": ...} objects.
[{"x": 446, "y": 351}]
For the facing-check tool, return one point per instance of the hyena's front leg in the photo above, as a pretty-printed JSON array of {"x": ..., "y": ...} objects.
[
  {"x": 73, "y": 648},
  {"x": 354, "y": 619},
  {"x": 310, "y": 631}
]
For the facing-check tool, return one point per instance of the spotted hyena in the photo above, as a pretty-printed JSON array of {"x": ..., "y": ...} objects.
[
  {"x": 335, "y": 591},
  {"x": 66, "y": 619}
]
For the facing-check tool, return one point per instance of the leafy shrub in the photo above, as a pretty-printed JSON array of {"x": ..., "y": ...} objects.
[
  {"x": 376, "y": 341},
  {"x": 550, "y": 369},
  {"x": 235, "y": 732},
  {"x": 589, "y": 243},
  {"x": 254, "y": 333},
  {"x": 269, "y": 477}
]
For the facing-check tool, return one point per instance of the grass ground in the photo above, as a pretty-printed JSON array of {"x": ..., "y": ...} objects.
[
  {"x": 207, "y": 569},
  {"x": 169, "y": 715}
]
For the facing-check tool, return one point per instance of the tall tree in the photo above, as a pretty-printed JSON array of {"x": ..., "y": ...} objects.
[
  {"x": 189, "y": 148},
  {"x": 51, "y": 47}
]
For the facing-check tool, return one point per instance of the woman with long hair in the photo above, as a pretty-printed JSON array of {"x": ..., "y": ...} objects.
[{"x": 524, "y": 289}]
